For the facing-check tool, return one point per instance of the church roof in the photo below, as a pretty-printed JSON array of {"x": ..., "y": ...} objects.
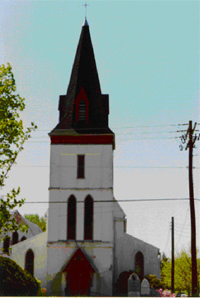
[
  {"x": 33, "y": 230},
  {"x": 84, "y": 82}
]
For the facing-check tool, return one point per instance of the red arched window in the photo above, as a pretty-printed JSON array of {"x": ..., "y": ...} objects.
[
  {"x": 71, "y": 218},
  {"x": 15, "y": 238},
  {"x": 88, "y": 222},
  {"x": 29, "y": 262},
  {"x": 139, "y": 265}
]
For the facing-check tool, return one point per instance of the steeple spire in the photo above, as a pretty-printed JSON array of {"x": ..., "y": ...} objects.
[
  {"x": 85, "y": 23},
  {"x": 84, "y": 109}
]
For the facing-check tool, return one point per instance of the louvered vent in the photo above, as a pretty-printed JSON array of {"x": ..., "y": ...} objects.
[{"x": 82, "y": 110}]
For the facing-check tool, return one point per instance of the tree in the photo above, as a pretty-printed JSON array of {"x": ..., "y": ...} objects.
[
  {"x": 12, "y": 138},
  {"x": 40, "y": 221},
  {"x": 183, "y": 271}
]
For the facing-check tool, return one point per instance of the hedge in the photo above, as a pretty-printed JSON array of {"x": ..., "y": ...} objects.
[{"x": 14, "y": 281}]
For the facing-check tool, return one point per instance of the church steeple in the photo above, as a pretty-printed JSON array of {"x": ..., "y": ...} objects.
[
  {"x": 85, "y": 22},
  {"x": 84, "y": 108}
]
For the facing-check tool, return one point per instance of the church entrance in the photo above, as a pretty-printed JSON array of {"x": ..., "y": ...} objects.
[{"x": 79, "y": 275}]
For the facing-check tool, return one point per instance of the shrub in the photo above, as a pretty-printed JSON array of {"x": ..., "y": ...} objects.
[
  {"x": 15, "y": 281},
  {"x": 154, "y": 282}
]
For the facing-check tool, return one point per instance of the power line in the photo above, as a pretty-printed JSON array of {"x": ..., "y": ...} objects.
[
  {"x": 133, "y": 126},
  {"x": 129, "y": 139},
  {"x": 131, "y": 133},
  {"x": 115, "y": 167},
  {"x": 119, "y": 167},
  {"x": 116, "y": 201}
]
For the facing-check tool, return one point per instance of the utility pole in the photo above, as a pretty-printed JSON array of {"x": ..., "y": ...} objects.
[
  {"x": 190, "y": 145},
  {"x": 172, "y": 275}
]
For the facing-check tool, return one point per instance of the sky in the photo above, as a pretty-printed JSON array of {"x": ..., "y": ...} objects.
[{"x": 148, "y": 58}]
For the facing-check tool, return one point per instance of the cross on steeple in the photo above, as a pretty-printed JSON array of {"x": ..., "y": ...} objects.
[{"x": 85, "y": 9}]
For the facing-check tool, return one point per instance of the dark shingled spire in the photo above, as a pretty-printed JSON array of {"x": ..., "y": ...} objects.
[{"x": 84, "y": 83}]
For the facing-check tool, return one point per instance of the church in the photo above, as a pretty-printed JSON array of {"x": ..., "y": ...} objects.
[{"x": 86, "y": 246}]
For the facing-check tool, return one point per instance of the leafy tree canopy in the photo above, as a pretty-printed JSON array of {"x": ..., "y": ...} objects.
[
  {"x": 12, "y": 138},
  {"x": 183, "y": 271},
  {"x": 40, "y": 221}
]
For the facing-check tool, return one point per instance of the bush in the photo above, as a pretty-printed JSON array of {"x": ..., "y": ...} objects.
[
  {"x": 155, "y": 283},
  {"x": 15, "y": 281}
]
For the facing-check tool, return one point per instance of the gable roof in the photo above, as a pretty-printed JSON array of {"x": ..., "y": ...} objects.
[{"x": 33, "y": 230}]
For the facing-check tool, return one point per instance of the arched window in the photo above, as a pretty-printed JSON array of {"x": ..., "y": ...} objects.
[
  {"x": 82, "y": 110},
  {"x": 23, "y": 238},
  {"x": 15, "y": 238},
  {"x": 71, "y": 218},
  {"x": 88, "y": 222},
  {"x": 6, "y": 244},
  {"x": 29, "y": 261},
  {"x": 139, "y": 265}
]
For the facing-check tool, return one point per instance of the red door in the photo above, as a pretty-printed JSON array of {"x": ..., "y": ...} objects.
[
  {"x": 79, "y": 275},
  {"x": 79, "y": 283}
]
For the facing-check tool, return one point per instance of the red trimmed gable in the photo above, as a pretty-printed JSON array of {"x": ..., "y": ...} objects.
[{"x": 79, "y": 260}]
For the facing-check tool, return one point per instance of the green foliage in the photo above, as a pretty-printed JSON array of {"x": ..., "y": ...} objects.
[
  {"x": 40, "y": 221},
  {"x": 42, "y": 292},
  {"x": 12, "y": 138},
  {"x": 155, "y": 283},
  {"x": 183, "y": 272},
  {"x": 15, "y": 281}
]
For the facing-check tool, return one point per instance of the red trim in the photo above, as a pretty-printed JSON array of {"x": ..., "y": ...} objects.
[
  {"x": 78, "y": 258},
  {"x": 82, "y": 95},
  {"x": 84, "y": 139}
]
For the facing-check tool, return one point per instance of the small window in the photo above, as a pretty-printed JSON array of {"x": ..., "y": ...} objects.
[
  {"x": 23, "y": 238},
  {"x": 88, "y": 221},
  {"x": 15, "y": 238},
  {"x": 29, "y": 262},
  {"x": 81, "y": 166},
  {"x": 71, "y": 217},
  {"x": 6, "y": 244}
]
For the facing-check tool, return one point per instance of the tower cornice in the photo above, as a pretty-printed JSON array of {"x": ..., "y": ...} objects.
[{"x": 84, "y": 139}]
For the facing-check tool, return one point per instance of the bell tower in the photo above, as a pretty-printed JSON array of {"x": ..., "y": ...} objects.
[{"x": 81, "y": 179}]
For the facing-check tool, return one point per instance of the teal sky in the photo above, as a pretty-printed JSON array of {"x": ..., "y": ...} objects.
[{"x": 147, "y": 55}]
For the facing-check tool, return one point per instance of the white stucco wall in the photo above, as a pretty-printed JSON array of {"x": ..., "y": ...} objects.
[
  {"x": 38, "y": 246},
  {"x": 98, "y": 166},
  {"x": 127, "y": 247},
  {"x": 103, "y": 214},
  {"x": 109, "y": 220},
  {"x": 98, "y": 183}
]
